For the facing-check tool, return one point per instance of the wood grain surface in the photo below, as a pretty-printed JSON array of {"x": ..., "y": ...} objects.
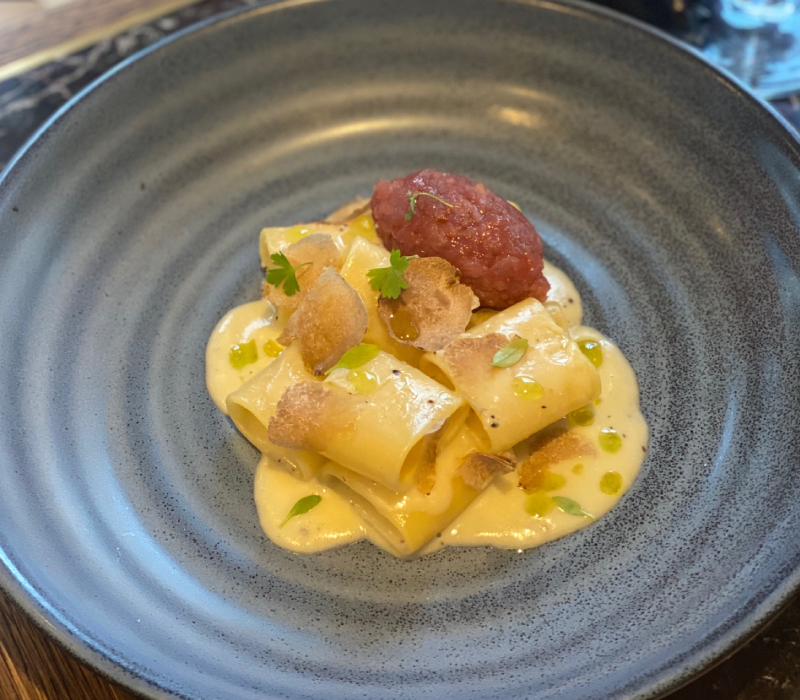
[
  {"x": 34, "y": 668},
  {"x": 90, "y": 19}
]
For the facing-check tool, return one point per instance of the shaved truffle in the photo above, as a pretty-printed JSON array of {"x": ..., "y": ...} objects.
[
  {"x": 330, "y": 320},
  {"x": 347, "y": 212},
  {"x": 469, "y": 359},
  {"x": 308, "y": 414},
  {"x": 425, "y": 474},
  {"x": 433, "y": 310},
  {"x": 549, "y": 447},
  {"x": 317, "y": 249},
  {"x": 478, "y": 469}
]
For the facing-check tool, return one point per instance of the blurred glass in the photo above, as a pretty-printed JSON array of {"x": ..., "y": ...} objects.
[{"x": 759, "y": 42}]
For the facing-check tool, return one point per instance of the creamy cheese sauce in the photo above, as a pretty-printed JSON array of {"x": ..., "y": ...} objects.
[
  {"x": 330, "y": 524},
  {"x": 503, "y": 515},
  {"x": 498, "y": 517},
  {"x": 256, "y": 323}
]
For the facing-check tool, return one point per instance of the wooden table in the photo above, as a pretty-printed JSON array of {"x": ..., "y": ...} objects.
[{"x": 34, "y": 668}]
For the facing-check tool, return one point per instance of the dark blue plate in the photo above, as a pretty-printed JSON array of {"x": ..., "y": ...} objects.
[{"x": 129, "y": 225}]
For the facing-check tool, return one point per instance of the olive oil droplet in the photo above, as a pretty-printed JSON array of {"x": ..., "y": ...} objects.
[
  {"x": 295, "y": 233},
  {"x": 610, "y": 441},
  {"x": 539, "y": 504},
  {"x": 592, "y": 350},
  {"x": 611, "y": 483},
  {"x": 527, "y": 388},
  {"x": 581, "y": 416},
  {"x": 552, "y": 482},
  {"x": 272, "y": 348},
  {"x": 400, "y": 320},
  {"x": 363, "y": 382},
  {"x": 243, "y": 355}
]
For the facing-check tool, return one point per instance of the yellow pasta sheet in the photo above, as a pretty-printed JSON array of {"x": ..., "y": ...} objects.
[
  {"x": 394, "y": 406},
  {"x": 551, "y": 379},
  {"x": 404, "y": 522},
  {"x": 252, "y": 406},
  {"x": 363, "y": 257},
  {"x": 274, "y": 240}
]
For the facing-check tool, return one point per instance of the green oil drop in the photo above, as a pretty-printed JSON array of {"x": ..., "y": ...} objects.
[
  {"x": 243, "y": 355},
  {"x": 610, "y": 441},
  {"x": 611, "y": 483},
  {"x": 272, "y": 348},
  {"x": 581, "y": 416},
  {"x": 527, "y": 388},
  {"x": 539, "y": 504},
  {"x": 363, "y": 382},
  {"x": 552, "y": 482},
  {"x": 592, "y": 350}
]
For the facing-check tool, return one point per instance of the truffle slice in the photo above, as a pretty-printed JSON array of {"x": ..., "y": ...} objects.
[
  {"x": 469, "y": 359},
  {"x": 433, "y": 310},
  {"x": 329, "y": 321},
  {"x": 309, "y": 414},
  {"x": 549, "y": 447},
  {"x": 478, "y": 469},
  {"x": 317, "y": 249}
]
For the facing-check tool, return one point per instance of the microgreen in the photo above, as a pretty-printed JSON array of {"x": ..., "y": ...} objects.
[
  {"x": 389, "y": 280},
  {"x": 302, "y": 506},
  {"x": 571, "y": 507},
  {"x": 412, "y": 202},
  {"x": 357, "y": 356},
  {"x": 285, "y": 273},
  {"x": 510, "y": 354}
]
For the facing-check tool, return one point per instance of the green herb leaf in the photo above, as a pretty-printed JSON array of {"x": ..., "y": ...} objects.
[
  {"x": 571, "y": 507},
  {"x": 412, "y": 202},
  {"x": 357, "y": 356},
  {"x": 510, "y": 354},
  {"x": 285, "y": 273},
  {"x": 389, "y": 280},
  {"x": 302, "y": 506}
]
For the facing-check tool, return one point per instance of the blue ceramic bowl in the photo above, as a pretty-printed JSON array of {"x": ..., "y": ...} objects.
[{"x": 129, "y": 225}]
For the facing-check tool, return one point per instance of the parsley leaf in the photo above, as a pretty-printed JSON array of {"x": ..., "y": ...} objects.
[
  {"x": 389, "y": 280},
  {"x": 285, "y": 274},
  {"x": 302, "y": 506},
  {"x": 510, "y": 354},
  {"x": 412, "y": 202}
]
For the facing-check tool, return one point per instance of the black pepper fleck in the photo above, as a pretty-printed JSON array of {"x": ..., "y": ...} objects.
[
  {"x": 430, "y": 400},
  {"x": 571, "y": 300},
  {"x": 14, "y": 208},
  {"x": 395, "y": 371},
  {"x": 495, "y": 425}
]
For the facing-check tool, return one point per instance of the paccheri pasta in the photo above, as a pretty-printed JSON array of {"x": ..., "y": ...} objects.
[{"x": 388, "y": 404}]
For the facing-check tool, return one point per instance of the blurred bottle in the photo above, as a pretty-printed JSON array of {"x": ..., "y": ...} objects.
[{"x": 756, "y": 40}]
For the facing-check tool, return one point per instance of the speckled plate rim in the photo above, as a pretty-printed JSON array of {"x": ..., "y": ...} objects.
[{"x": 683, "y": 668}]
